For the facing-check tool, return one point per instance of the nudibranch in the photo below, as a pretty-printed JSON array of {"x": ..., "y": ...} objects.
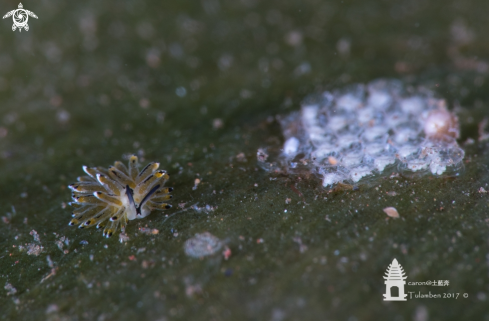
[{"x": 111, "y": 197}]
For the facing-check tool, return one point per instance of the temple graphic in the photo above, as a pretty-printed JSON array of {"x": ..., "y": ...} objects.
[{"x": 394, "y": 279}]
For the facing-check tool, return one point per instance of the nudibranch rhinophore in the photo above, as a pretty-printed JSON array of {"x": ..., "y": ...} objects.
[
  {"x": 111, "y": 197},
  {"x": 361, "y": 130}
]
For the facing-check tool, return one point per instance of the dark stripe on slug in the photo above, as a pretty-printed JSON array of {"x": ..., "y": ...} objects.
[
  {"x": 129, "y": 193},
  {"x": 144, "y": 169},
  {"x": 85, "y": 196},
  {"x": 98, "y": 216},
  {"x": 151, "y": 192},
  {"x": 149, "y": 177},
  {"x": 115, "y": 173}
]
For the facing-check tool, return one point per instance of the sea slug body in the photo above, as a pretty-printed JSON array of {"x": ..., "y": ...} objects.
[{"x": 111, "y": 197}]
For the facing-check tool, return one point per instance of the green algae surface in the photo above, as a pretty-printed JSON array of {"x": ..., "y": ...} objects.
[{"x": 196, "y": 86}]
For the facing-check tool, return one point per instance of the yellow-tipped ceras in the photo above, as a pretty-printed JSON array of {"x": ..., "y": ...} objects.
[{"x": 111, "y": 197}]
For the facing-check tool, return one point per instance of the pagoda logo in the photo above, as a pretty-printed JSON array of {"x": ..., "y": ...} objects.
[{"x": 394, "y": 282}]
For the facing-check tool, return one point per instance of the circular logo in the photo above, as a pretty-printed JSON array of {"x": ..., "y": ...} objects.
[{"x": 20, "y": 17}]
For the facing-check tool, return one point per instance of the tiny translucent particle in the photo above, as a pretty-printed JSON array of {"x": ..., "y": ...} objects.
[
  {"x": 109, "y": 198},
  {"x": 363, "y": 130}
]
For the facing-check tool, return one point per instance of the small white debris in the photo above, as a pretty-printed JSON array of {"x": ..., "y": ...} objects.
[
  {"x": 60, "y": 242},
  {"x": 206, "y": 209},
  {"x": 392, "y": 212},
  {"x": 294, "y": 38},
  {"x": 302, "y": 247},
  {"x": 33, "y": 249},
  {"x": 343, "y": 46},
  {"x": 291, "y": 146},
  {"x": 50, "y": 262},
  {"x": 123, "y": 237},
  {"x": 217, "y": 123},
  {"x": 196, "y": 183},
  {"x": 63, "y": 116},
  {"x": 10, "y": 289},
  {"x": 482, "y": 190},
  {"x": 35, "y": 236},
  {"x": 261, "y": 155},
  {"x": 149, "y": 231},
  {"x": 204, "y": 244},
  {"x": 181, "y": 92},
  {"x": 52, "y": 308},
  {"x": 241, "y": 158}
]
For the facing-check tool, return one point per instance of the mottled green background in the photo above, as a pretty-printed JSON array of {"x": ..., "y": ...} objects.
[{"x": 92, "y": 81}]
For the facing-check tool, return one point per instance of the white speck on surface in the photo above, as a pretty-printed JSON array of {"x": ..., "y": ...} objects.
[
  {"x": 302, "y": 247},
  {"x": 203, "y": 244},
  {"x": 421, "y": 313},
  {"x": 50, "y": 262},
  {"x": 63, "y": 116},
  {"x": 34, "y": 249},
  {"x": 217, "y": 123},
  {"x": 52, "y": 308},
  {"x": 391, "y": 212},
  {"x": 35, "y": 236},
  {"x": 181, "y": 92},
  {"x": 291, "y": 146},
  {"x": 61, "y": 242},
  {"x": 343, "y": 46},
  {"x": 261, "y": 155},
  {"x": 10, "y": 289},
  {"x": 196, "y": 183},
  {"x": 294, "y": 38},
  {"x": 123, "y": 237},
  {"x": 149, "y": 231}
]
